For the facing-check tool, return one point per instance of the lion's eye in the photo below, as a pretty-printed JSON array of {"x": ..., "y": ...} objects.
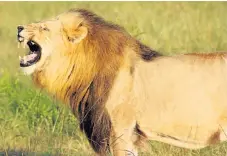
[
  {"x": 43, "y": 27},
  {"x": 46, "y": 29}
]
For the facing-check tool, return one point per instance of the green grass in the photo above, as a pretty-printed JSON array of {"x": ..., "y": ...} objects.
[{"x": 32, "y": 122}]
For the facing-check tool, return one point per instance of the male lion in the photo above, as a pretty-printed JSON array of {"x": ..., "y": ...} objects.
[{"x": 123, "y": 92}]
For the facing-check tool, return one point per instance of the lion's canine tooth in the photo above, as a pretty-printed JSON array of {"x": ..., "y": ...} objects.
[
  {"x": 25, "y": 59},
  {"x": 25, "y": 43},
  {"x": 19, "y": 57}
]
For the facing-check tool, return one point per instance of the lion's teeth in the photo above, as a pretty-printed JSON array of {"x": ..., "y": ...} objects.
[
  {"x": 25, "y": 42},
  {"x": 19, "y": 57},
  {"x": 25, "y": 60}
]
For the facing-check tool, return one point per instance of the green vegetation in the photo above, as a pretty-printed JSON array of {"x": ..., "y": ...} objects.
[{"x": 32, "y": 122}]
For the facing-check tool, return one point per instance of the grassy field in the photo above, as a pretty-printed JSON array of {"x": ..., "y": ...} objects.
[{"x": 34, "y": 123}]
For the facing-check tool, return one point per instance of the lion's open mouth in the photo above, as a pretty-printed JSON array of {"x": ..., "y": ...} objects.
[{"x": 33, "y": 56}]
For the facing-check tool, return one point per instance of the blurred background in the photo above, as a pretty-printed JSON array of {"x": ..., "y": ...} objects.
[{"x": 35, "y": 123}]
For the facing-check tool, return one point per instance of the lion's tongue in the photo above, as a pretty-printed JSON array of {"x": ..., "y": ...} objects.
[{"x": 29, "y": 57}]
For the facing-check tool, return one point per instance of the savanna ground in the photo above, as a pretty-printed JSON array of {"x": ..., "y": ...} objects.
[{"x": 33, "y": 123}]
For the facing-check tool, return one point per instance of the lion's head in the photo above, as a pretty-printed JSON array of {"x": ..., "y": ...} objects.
[{"x": 68, "y": 33}]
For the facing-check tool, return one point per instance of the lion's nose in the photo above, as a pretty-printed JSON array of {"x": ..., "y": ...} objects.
[
  {"x": 19, "y": 37},
  {"x": 20, "y": 28}
]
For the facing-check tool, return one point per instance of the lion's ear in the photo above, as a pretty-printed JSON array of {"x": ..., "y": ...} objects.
[
  {"x": 76, "y": 35},
  {"x": 73, "y": 27}
]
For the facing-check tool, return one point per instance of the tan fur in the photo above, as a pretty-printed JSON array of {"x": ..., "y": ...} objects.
[{"x": 123, "y": 92}]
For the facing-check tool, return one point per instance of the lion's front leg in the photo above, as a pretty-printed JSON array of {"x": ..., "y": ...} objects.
[
  {"x": 122, "y": 144},
  {"x": 123, "y": 136}
]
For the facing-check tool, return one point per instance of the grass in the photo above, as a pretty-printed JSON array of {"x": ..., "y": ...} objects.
[{"x": 34, "y": 123}]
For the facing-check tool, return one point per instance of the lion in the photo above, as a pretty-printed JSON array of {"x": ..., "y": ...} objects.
[{"x": 123, "y": 92}]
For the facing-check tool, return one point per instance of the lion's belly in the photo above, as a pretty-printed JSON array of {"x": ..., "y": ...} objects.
[{"x": 182, "y": 104}]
